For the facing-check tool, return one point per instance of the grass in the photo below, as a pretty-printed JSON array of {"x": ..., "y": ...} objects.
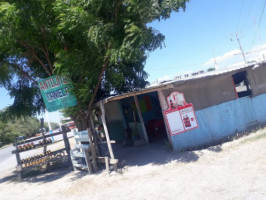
[
  {"x": 5, "y": 145},
  {"x": 255, "y": 138}
]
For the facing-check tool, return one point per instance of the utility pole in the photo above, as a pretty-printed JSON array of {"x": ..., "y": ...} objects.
[
  {"x": 49, "y": 125},
  {"x": 241, "y": 49}
]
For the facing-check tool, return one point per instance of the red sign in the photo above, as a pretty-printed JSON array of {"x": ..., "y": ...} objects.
[{"x": 181, "y": 115}]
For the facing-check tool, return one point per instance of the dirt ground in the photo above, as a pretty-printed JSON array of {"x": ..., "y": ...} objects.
[{"x": 234, "y": 170}]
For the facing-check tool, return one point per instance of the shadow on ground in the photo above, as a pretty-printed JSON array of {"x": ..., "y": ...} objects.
[
  {"x": 10, "y": 178},
  {"x": 46, "y": 176},
  {"x": 156, "y": 153},
  {"x": 215, "y": 148}
]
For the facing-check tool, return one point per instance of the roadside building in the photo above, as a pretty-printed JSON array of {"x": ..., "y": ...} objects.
[{"x": 222, "y": 103}]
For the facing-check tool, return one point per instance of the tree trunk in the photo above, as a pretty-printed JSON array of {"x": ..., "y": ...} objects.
[{"x": 106, "y": 62}]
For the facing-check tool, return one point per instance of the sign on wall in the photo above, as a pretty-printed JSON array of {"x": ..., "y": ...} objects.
[
  {"x": 180, "y": 115},
  {"x": 55, "y": 91}
]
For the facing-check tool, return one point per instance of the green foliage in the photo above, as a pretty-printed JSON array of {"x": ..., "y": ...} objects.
[
  {"x": 53, "y": 126},
  {"x": 23, "y": 126},
  {"x": 211, "y": 69},
  {"x": 11, "y": 129},
  {"x": 95, "y": 41}
]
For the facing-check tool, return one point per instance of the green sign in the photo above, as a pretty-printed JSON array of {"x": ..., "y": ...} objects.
[{"x": 56, "y": 93}]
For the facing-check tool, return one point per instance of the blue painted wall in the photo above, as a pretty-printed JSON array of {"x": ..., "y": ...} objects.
[
  {"x": 215, "y": 123},
  {"x": 218, "y": 122},
  {"x": 259, "y": 104},
  {"x": 197, "y": 137}
]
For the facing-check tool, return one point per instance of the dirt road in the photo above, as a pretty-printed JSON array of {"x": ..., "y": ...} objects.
[{"x": 234, "y": 170}]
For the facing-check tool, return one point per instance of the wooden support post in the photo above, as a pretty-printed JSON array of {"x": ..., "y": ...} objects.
[
  {"x": 19, "y": 172},
  {"x": 17, "y": 153},
  {"x": 92, "y": 124},
  {"x": 43, "y": 137},
  {"x": 67, "y": 145},
  {"x": 93, "y": 151},
  {"x": 88, "y": 162},
  {"x": 19, "y": 167},
  {"x": 106, "y": 130},
  {"x": 141, "y": 120},
  {"x": 164, "y": 107},
  {"x": 45, "y": 146},
  {"x": 107, "y": 164},
  {"x": 95, "y": 136}
]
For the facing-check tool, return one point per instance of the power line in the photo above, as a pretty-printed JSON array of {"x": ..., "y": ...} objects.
[
  {"x": 251, "y": 7},
  {"x": 259, "y": 23},
  {"x": 241, "y": 9}
]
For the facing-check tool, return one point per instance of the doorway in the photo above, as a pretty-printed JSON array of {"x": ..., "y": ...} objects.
[
  {"x": 244, "y": 92},
  {"x": 152, "y": 116}
]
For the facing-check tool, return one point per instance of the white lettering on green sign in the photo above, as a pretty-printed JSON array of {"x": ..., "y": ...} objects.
[{"x": 56, "y": 93}]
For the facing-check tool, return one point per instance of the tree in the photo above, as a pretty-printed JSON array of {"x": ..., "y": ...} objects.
[
  {"x": 12, "y": 128},
  {"x": 102, "y": 45},
  {"x": 211, "y": 69}
]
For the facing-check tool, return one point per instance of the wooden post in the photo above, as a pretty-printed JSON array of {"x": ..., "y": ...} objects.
[
  {"x": 93, "y": 151},
  {"x": 88, "y": 162},
  {"x": 106, "y": 159},
  {"x": 19, "y": 172},
  {"x": 92, "y": 125},
  {"x": 67, "y": 145},
  {"x": 43, "y": 137},
  {"x": 19, "y": 166},
  {"x": 164, "y": 107},
  {"x": 17, "y": 153},
  {"x": 106, "y": 131},
  {"x": 141, "y": 120},
  {"x": 95, "y": 136}
]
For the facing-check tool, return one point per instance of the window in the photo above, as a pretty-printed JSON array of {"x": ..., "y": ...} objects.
[{"x": 241, "y": 83}]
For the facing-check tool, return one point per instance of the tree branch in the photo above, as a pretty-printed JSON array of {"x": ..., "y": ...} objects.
[
  {"x": 46, "y": 53},
  {"x": 33, "y": 53},
  {"x": 39, "y": 60},
  {"x": 117, "y": 6},
  {"x": 26, "y": 74},
  {"x": 80, "y": 78}
]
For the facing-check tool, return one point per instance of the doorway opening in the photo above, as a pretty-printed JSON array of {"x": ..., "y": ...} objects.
[
  {"x": 152, "y": 116},
  {"x": 241, "y": 83}
]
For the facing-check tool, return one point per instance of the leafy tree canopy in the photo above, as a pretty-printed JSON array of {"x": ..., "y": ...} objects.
[{"x": 101, "y": 44}]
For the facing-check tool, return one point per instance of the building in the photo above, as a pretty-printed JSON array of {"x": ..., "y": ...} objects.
[{"x": 225, "y": 103}]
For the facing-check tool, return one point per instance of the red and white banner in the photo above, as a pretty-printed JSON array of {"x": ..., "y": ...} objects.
[{"x": 181, "y": 115}]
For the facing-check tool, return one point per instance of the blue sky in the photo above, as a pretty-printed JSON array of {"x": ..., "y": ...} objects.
[
  {"x": 199, "y": 35},
  {"x": 203, "y": 32}
]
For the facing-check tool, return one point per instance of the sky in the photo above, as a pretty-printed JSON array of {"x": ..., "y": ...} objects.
[
  {"x": 199, "y": 37},
  {"x": 195, "y": 37}
]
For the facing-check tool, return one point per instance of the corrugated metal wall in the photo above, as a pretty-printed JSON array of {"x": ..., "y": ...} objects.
[
  {"x": 214, "y": 90},
  {"x": 219, "y": 112},
  {"x": 257, "y": 79},
  {"x": 206, "y": 92}
]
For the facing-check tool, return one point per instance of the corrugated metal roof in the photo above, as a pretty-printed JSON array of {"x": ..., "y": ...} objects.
[{"x": 167, "y": 83}]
